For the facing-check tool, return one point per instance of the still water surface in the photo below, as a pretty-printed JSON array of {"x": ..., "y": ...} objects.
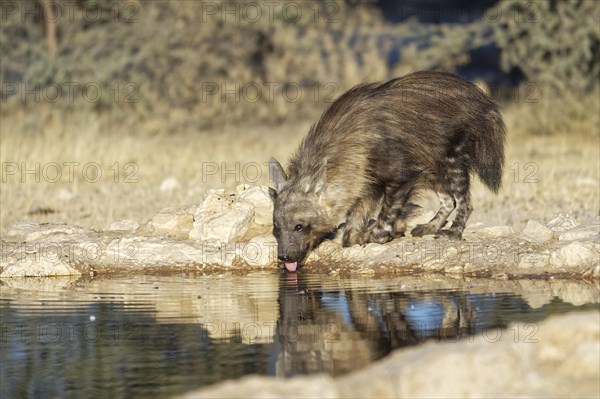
[{"x": 158, "y": 336}]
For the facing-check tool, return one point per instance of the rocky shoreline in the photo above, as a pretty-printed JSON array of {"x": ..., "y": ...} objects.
[
  {"x": 232, "y": 232},
  {"x": 560, "y": 359}
]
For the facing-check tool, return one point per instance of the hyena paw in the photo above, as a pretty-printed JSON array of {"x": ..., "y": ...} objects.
[
  {"x": 450, "y": 234},
  {"x": 422, "y": 230},
  {"x": 398, "y": 234},
  {"x": 380, "y": 236},
  {"x": 399, "y": 229}
]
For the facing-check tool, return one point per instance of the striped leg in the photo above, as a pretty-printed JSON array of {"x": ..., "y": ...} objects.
[
  {"x": 393, "y": 203},
  {"x": 447, "y": 205},
  {"x": 459, "y": 184},
  {"x": 358, "y": 219}
]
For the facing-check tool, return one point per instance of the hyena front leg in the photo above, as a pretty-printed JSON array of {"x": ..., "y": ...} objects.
[
  {"x": 386, "y": 227},
  {"x": 447, "y": 204},
  {"x": 358, "y": 219},
  {"x": 400, "y": 224}
]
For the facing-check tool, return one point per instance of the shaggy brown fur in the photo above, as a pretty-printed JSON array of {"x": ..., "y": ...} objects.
[{"x": 379, "y": 144}]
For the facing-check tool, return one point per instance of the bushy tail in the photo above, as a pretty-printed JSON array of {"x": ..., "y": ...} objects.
[{"x": 489, "y": 151}]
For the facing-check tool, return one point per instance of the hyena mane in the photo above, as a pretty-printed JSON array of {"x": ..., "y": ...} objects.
[{"x": 374, "y": 149}]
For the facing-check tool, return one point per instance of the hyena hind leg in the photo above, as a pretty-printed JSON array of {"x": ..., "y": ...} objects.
[
  {"x": 447, "y": 204},
  {"x": 459, "y": 184},
  {"x": 463, "y": 211}
]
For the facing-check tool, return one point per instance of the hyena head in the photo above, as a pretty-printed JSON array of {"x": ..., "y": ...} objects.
[{"x": 299, "y": 219}]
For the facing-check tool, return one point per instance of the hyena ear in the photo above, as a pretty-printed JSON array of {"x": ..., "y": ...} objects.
[
  {"x": 272, "y": 193},
  {"x": 316, "y": 184},
  {"x": 277, "y": 176}
]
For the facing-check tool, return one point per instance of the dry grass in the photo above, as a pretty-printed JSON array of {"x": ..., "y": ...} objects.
[
  {"x": 77, "y": 138},
  {"x": 544, "y": 174}
]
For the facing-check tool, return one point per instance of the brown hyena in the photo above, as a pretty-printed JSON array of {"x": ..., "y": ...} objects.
[{"x": 374, "y": 149}]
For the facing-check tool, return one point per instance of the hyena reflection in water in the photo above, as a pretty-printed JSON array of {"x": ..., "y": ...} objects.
[
  {"x": 324, "y": 330},
  {"x": 375, "y": 148}
]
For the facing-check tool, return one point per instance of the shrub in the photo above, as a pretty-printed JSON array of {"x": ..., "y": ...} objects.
[{"x": 556, "y": 44}]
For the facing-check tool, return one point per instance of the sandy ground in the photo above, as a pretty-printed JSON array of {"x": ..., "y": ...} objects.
[{"x": 76, "y": 170}]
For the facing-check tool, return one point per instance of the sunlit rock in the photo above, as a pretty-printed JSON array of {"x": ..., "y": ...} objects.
[
  {"x": 31, "y": 231},
  {"x": 586, "y": 231},
  {"x": 260, "y": 199},
  {"x": 37, "y": 265},
  {"x": 535, "y": 231},
  {"x": 124, "y": 225},
  {"x": 176, "y": 222},
  {"x": 577, "y": 254},
  {"x": 562, "y": 222},
  {"x": 259, "y": 251},
  {"x": 225, "y": 232},
  {"x": 557, "y": 357},
  {"x": 220, "y": 218}
]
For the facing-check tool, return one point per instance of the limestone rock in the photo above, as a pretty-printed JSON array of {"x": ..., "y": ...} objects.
[
  {"x": 562, "y": 222},
  {"x": 260, "y": 251},
  {"x": 353, "y": 252},
  {"x": 260, "y": 199},
  {"x": 221, "y": 219},
  {"x": 175, "y": 222},
  {"x": 535, "y": 231},
  {"x": 261, "y": 387},
  {"x": 577, "y": 254},
  {"x": 135, "y": 252},
  {"x": 31, "y": 231},
  {"x": 328, "y": 251},
  {"x": 558, "y": 357},
  {"x": 587, "y": 231},
  {"x": 37, "y": 265},
  {"x": 225, "y": 233},
  {"x": 535, "y": 260},
  {"x": 124, "y": 225}
]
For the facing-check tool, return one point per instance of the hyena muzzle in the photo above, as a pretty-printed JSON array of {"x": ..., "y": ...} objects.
[{"x": 373, "y": 150}]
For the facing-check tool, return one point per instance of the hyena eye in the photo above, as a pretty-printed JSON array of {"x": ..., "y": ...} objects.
[{"x": 298, "y": 227}]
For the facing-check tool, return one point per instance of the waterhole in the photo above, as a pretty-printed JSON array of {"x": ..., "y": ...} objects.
[{"x": 155, "y": 336}]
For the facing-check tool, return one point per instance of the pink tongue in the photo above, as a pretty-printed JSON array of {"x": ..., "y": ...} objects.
[{"x": 291, "y": 267}]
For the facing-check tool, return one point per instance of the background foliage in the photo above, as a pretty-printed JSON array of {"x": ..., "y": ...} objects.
[
  {"x": 170, "y": 56},
  {"x": 556, "y": 44}
]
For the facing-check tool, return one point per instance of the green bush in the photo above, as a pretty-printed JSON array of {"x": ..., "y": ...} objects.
[
  {"x": 171, "y": 57},
  {"x": 192, "y": 64},
  {"x": 556, "y": 44}
]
